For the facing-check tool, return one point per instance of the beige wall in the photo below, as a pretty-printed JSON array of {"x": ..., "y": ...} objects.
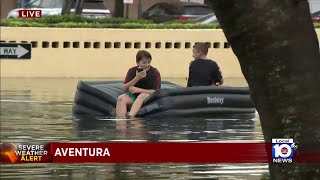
[
  {"x": 6, "y": 6},
  {"x": 106, "y": 59},
  {"x": 110, "y": 52}
]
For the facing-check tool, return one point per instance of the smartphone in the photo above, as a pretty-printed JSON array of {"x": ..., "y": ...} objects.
[{"x": 140, "y": 69}]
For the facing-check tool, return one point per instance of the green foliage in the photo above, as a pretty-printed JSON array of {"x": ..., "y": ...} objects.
[
  {"x": 73, "y": 21},
  {"x": 76, "y": 19}
]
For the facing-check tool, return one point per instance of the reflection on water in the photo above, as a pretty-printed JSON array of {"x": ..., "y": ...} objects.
[{"x": 38, "y": 110}]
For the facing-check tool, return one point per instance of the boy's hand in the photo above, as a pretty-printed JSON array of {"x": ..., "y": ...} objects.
[
  {"x": 141, "y": 74},
  {"x": 221, "y": 81},
  {"x": 217, "y": 83}
]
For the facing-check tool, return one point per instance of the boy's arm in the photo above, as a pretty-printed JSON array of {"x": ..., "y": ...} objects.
[
  {"x": 130, "y": 84},
  {"x": 188, "y": 79},
  {"x": 220, "y": 77},
  {"x": 217, "y": 76},
  {"x": 140, "y": 90},
  {"x": 157, "y": 80},
  {"x": 130, "y": 80},
  {"x": 155, "y": 86}
]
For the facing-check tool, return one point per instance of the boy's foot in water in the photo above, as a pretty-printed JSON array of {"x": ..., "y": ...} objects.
[{"x": 128, "y": 116}]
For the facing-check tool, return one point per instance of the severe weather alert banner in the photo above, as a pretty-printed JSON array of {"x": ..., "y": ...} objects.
[{"x": 144, "y": 153}]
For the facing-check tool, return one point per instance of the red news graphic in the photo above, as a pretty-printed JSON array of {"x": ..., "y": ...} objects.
[
  {"x": 23, "y": 153},
  {"x": 30, "y": 13},
  {"x": 160, "y": 152}
]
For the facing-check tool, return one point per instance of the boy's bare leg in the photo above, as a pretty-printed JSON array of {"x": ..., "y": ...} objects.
[
  {"x": 121, "y": 108},
  {"x": 121, "y": 127},
  {"x": 137, "y": 104}
]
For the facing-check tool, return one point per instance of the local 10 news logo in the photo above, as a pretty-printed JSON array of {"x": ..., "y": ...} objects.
[{"x": 283, "y": 150}]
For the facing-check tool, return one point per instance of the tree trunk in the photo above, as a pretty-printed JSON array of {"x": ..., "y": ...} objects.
[
  {"x": 66, "y": 7},
  {"x": 79, "y": 7},
  {"x": 278, "y": 50},
  {"x": 118, "y": 8}
]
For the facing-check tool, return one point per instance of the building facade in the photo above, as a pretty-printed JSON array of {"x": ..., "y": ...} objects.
[{"x": 8, "y": 5}]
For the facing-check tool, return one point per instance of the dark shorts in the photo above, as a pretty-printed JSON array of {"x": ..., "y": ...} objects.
[{"x": 132, "y": 96}]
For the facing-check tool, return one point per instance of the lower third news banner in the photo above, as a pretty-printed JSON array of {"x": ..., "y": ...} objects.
[{"x": 160, "y": 152}]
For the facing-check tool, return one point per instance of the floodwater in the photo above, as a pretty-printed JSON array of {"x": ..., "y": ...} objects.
[{"x": 38, "y": 110}]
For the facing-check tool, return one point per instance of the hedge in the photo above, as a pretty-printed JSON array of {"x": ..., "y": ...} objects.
[{"x": 72, "y": 21}]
